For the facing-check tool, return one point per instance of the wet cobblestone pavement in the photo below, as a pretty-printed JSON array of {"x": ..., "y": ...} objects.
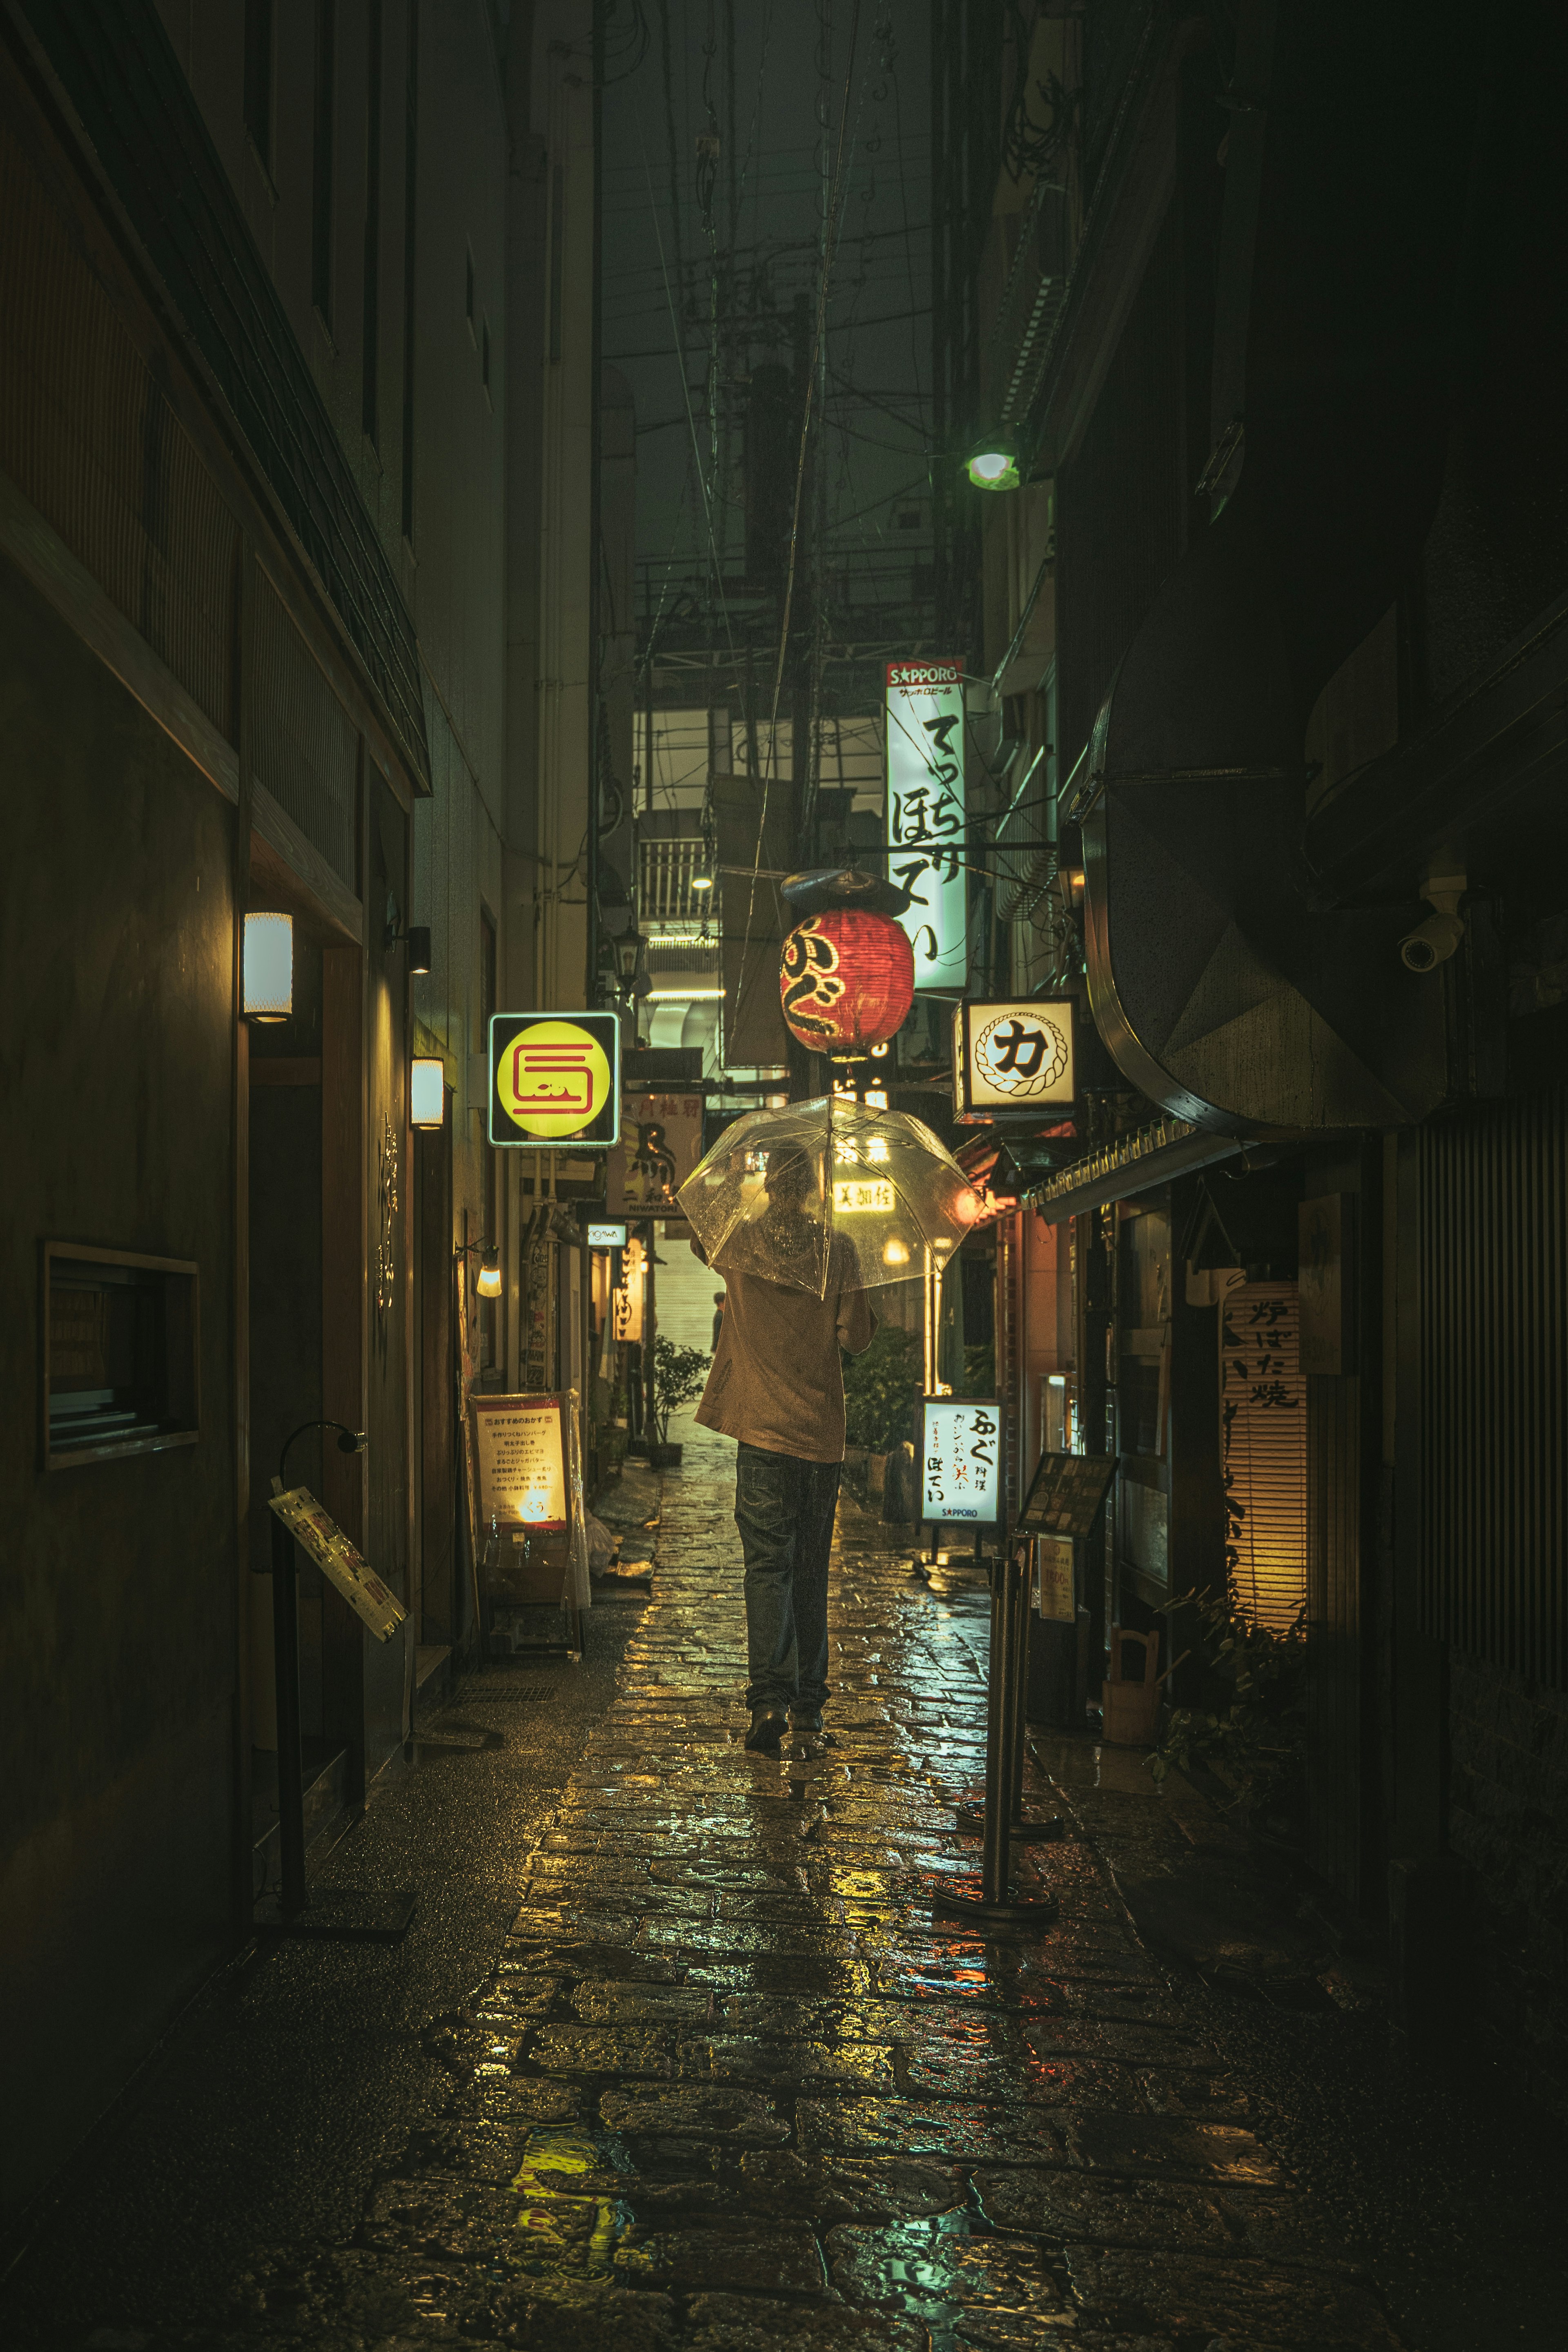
[{"x": 731, "y": 2084}]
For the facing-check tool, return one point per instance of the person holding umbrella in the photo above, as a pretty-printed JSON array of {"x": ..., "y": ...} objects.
[
  {"x": 804, "y": 1210},
  {"x": 775, "y": 1385}
]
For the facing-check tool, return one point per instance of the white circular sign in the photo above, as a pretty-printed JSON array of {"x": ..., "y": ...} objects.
[{"x": 1021, "y": 1054}]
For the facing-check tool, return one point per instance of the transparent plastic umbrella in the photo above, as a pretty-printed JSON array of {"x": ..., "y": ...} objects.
[{"x": 829, "y": 1190}]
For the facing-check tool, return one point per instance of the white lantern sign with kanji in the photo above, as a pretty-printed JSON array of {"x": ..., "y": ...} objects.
[
  {"x": 961, "y": 1459},
  {"x": 926, "y": 847}
]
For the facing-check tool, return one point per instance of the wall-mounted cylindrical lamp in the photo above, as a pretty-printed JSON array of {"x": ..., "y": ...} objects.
[
  {"x": 417, "y": 936},
  {"x": 268, "y": 967},
  {"x": 427, "y": 1092}
]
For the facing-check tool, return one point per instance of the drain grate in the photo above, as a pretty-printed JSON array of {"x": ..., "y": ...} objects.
[{"x": 505, "y": 1697}]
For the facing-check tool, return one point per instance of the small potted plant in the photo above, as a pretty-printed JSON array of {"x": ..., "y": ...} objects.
[{"x": 678, "y": 1374}]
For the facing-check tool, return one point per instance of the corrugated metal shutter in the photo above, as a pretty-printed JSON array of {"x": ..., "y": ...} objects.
[
  {"x": 1493, "y": 1290},
  {"x": 1263, "y": 1449},
  {"x": 306, "y": 746},
  {"x": 88, "y": 436}
]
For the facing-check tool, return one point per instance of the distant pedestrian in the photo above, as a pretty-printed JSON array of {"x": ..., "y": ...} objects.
[
  {"x": 718, "y": 1318},
  {"x": 777, "y": 1385}
]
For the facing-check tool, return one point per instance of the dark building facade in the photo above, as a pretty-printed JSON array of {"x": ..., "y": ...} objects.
[{"x": 1277, "y": 344}]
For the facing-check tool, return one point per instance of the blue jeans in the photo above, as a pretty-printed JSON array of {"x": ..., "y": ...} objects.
[{"x": 784, "y": 1510}]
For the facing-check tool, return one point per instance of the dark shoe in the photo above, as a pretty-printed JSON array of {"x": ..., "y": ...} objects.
[
  {"x": 766, "y": 1734},
  {"x": 806, "y": 1726}
]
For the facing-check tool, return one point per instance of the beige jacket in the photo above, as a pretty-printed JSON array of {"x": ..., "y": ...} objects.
[{"x": 775, "y": 1380}]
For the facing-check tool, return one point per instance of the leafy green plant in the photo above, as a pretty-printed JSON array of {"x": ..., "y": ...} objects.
[
  {"x": 678, "y": 1374},
  {"x": 880, "y": 1387},
  {"x": 1256, "y": 1735},
  {"x": 980, "y": 1368}
]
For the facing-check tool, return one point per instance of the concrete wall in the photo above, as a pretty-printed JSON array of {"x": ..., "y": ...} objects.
[
  {"x": 1508, "y": 1819},
  {"x": 117, "y": 1604}
]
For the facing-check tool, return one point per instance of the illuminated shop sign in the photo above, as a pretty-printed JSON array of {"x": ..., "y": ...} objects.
[
  {"x": 961, "y": 1459},
  {"x": 1013, "y": 1057},
  {"x": 926, "y": 816},
  {"x": 555, "y": 1079}
]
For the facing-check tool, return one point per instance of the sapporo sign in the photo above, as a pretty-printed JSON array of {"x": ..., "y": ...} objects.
[
  {"x": 1018, "y": 1056},
  {"x": 961, "y": 1459},
  {"x": 926, "y": 816},
  {"x": 555, "y": 1079}
]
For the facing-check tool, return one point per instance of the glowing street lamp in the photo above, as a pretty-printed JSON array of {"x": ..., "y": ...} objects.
[{"x": 993, "y": 463}]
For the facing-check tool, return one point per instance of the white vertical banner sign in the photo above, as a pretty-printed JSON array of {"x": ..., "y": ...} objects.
[{"x": 926, "y": 816}]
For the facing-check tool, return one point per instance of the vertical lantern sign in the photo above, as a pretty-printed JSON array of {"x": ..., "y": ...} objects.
[{"x": 926, "y": 816}]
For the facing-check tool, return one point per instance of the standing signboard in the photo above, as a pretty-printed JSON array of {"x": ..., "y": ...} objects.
[
  {"x": 961, "y": 1459},
  {"x": 555, "y": 1081},
  {"x": 1015, "y": 1056},
  {"x": 926, "y": 848},
  {"x": 339, "y": 1560},
  {"x": 529, "y": 1473}
]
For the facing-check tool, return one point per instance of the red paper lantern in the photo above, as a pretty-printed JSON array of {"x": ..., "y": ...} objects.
[{"x": 848, "y": 980}]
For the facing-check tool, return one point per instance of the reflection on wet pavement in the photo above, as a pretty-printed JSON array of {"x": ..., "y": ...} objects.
[{"x": 729, "y": 2085}]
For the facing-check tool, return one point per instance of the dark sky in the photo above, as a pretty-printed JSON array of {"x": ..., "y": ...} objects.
[{"x": 767, "y": 69}]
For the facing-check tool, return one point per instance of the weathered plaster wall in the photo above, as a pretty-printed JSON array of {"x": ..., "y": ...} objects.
[{"x": 117, "y": 1580}]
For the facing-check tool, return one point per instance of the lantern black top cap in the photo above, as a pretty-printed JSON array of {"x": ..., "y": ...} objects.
[{"x": 824, "y": 887}]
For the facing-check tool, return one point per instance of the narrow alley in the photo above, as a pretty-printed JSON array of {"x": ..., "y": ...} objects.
[
  {"x": 727, "y": 2082},
  {"x": 784, "y": 1425}
]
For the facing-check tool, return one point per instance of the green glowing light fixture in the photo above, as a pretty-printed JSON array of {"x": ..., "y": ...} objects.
[{"x": 993, "y": 463}]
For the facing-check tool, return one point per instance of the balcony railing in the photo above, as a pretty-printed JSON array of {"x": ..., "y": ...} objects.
[{"x": 665, "y": 872}]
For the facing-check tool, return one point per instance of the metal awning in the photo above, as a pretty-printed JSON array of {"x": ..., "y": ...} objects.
[{"x": 1170, "y": 1147}]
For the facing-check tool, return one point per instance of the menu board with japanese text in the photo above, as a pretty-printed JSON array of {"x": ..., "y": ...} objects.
[
  {"x": 520, "y": 1447},
  {"x": 1054, "y": 1595},
  {"x": 317, "y": 1533},
  {"x": 960, "y": 1455},
  {"x": 1065, "y": 1493}
]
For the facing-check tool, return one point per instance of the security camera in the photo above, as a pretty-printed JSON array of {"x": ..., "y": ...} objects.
[
  {"x": 1431, "y": 942},
  {"x": 1435, "y": 941}
]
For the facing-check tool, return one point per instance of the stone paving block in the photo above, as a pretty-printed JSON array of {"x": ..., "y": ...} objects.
[
  {"x": 1187, "y": 2297},
  {"x": 1194, "y": 2091},
  {"x": 739, "y": 2057},
  {"x": 1169, "y": 2144},
  {"x": 530, "y": 2098},
  {"x": 733, "y": 2322},
  {"x": 615, "y": 1963},
  {"x": 522, "y": 1990},
  {"x": 742, "y": 2116},
  {"x": 603, "y": 2050},
  {"x": 1112, "y": 2213},
  {"x": 619, "y": 2003},
  {"x": 977, "y": 2289},
  {"x": 463, "y": 2220},
  {"x": 548, "y": 1926},
  {"x": 886, "y": 2188},
  {"x": 955, "y": 2129},
  {"x": 557, "y": 2315},
  {"x": 955, "y": 2070},
  {"x": 783, "y": 2259},
  {"x": 350, "y": 2296},
  {"x": 482, "y": 2148}
]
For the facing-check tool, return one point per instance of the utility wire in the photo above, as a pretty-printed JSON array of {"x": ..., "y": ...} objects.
[{"x": 828, "y": 257}]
